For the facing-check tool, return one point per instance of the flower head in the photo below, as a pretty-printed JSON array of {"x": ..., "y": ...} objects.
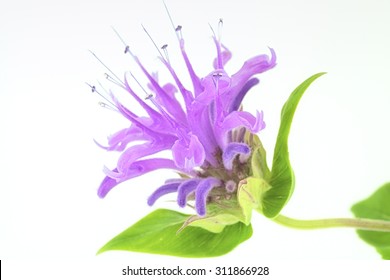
[{"x": 205, "y": 132}]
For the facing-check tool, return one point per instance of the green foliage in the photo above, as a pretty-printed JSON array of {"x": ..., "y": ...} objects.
[
  {"x": 157, "y": 233},
  {"x": 377, "y": 206},
  {"x": 282, "y": 176}
]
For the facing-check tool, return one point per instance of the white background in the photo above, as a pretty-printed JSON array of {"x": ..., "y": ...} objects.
[{"x": 50, "y": 168}]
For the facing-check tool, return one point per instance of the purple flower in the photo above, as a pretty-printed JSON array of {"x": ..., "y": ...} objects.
[{"x": 205, "y": 131}]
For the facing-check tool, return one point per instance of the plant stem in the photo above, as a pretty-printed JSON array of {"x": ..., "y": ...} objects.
[{"x": 358, "y": 223}]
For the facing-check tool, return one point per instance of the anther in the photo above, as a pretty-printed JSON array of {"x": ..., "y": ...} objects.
[
  {"x": 220, "y": 25},
  {"x": 178, "y": 32},
  {"x": 107, "y": 106},
  {"x": 150, "y": 96},
  {"x": 93, "y": 88},
  {"x": 112, "y": 80},
  {"x": 164, "y": 48},
  {"x": 216, "y": 77}
]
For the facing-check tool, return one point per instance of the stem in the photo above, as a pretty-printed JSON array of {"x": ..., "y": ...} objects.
[{"x": 358, "y": 223}]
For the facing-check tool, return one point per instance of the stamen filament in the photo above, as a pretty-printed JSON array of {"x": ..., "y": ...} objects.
[{"x": 119, "y": 81}]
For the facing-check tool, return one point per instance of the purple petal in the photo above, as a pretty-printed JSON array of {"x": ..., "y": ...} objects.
[
  {"x": 187, "y": 95},
  {"x": 139, "y": 122},
  {"x": 185, "y": 189},
  {"x": 106, "y": 185},
  {"x": 163, "y": 190},
  {"x": 198, "y": 88},
  {"x": 171, "y": 104},
  {"x": 201, "y": 193},
  {"x": 238, "y": 119},
  {"x": 120, "y": 139},
  {"x": 236, "y": 102},
  {"x": 136, "y": 152},
  {"x": 232, "y": 150},
  {"x": 225, "y": 56},
  {"x": 142, "y": 167},
  {"x": 255, "y": 65},
  {"x": 188, "y": 153},
  {"x": 200, "y": 124},
  {"x": 151, "y": 112},
  {"x": 138, "y": 168}
]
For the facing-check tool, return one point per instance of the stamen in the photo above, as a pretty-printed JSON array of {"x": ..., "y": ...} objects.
[
  {"x": 93, "y": 88},
  {"x": 179, "y": 34},
  {"x": 150, "y": 37},
  {"x": 119, "y": 36},
  {"x": 164, "y": 48},
  {"x": 107, "y": 106},
  {"x": 178, "y": 28},
  {"x": 111, "y": 105},
  {"x": 112, "y": 80},
  {"x": 127, "y": 48},
  {"x": 119, "y": 81},
  {"x": 172, "y": 122},
  {"x": 217, "y": 40},
  {"x": 216, "y": 77},
  {"x": 220, "y": 25},
  {"x": 212, "y": 30},
  {"x": 148, "y": 95}
]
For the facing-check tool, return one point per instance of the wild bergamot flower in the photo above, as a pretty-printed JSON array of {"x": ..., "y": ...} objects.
[
  {"x": 205, "y": 133},
  {"x": 221, "y": 162}
]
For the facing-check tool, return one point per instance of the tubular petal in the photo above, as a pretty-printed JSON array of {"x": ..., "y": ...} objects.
[
  {"x": 185, "y": 189},
  {"x": 237, "y": 99},
  {"x": 201, "y": 193},
  {"x": 138, "y": 168},
  {"x": 133, "y": 153},
  {"x": 106, "y": 185},
  {"x": 163, "y": 190},
  {"x": 231, "y": 151},
  {"x": 188, "y": 153},
  {"x": 226, "y": 55},
  {"x": 238, "y": 119}
]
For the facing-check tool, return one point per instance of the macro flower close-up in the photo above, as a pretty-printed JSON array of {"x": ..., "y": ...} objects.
[
  {"x": 203, "y": 134},
  {"x": 205, "y": 128},
  {"x": 246, "y": 136}
]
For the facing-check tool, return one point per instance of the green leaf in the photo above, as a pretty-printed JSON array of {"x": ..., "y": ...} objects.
[
  {"x": 282, "y": 176},
  {"x": 250, "y": 195},
  {"x": 157, "y": 233},
  {"x": 377, "y": 206}
]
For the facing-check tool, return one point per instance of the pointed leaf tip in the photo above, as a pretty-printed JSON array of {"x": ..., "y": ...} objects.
[{"x": 282, "y": 176}]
